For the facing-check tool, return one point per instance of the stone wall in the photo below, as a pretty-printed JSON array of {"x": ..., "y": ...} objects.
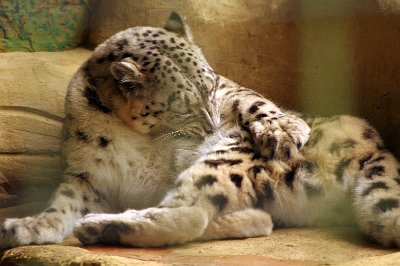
[
  {"x": 33, "y": 88},
  {"x": 55, "y": 25},
  {"x": 376, "y": 30}
]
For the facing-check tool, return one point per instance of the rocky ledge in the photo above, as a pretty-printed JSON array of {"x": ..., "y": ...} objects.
[{"x": 343, "y": 246}]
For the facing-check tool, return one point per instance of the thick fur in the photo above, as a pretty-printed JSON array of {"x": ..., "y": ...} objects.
[{"x": 161, "y": 150}]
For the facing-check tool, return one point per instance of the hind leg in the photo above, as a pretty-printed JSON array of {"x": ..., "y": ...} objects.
[
  {"x": 377, "y": 198},
  {"x": 239, "y": 224}
]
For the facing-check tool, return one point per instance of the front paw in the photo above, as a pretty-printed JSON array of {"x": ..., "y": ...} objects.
[
  {"x": 281, "y": 137},
  {"x": 99, "y": 228},
  {"x": 30, "y": 231}
]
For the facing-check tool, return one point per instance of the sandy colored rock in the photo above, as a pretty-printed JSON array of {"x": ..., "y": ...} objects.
[
  {"x": 33, "y": 88},
  {"x": 386, "y": 260},
  {"x": 301, "y": 247},
  {"x": 62, "y": 255}
]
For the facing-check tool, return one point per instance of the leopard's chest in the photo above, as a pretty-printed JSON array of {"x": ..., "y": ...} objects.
[
  {"x": 130, "y": 172},
  {"x": 149, "y": 179}
]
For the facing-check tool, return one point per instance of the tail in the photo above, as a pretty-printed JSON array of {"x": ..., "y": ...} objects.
[{"x": 377, "y": 198}]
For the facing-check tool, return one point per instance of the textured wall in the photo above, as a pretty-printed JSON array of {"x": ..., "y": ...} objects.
[
  {"x": 52, "y": 25},
  {"x": 32, "y": 89},
  {"x": 376, "y": 31}
]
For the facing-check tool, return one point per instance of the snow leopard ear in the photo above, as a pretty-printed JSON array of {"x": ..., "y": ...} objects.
[
  {"x": 131, "y": 81},
  {"x": 176, "y": 24}
]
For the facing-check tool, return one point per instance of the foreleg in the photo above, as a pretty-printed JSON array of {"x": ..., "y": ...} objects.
[
  {"x": 239, "y": 224},
  {"x": 276, "y": 134},
  {"x": 151, "y": 227},
  {"x": 72, "y": 200}
]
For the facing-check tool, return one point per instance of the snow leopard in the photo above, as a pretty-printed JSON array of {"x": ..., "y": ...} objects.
[{"x": 161, "y": 150}]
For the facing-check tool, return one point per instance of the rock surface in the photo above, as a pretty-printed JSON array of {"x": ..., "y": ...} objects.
[
  {"x": 42, "y": 25},
  {"x": 33, "y": 87},
  {"x": 305, "y": 247}
]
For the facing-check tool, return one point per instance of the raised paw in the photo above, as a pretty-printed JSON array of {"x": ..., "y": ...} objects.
[
  {"x": 280, "y": 137},
  {"x": 28, "y": 231},
  {"x": 100, "y": 228}
]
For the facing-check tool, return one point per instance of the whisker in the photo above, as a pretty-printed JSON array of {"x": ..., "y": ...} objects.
[
  {"x": 171, "y": 136},
  {"x": 168, "y": 135},
  {"x": 164, "y": 135}
]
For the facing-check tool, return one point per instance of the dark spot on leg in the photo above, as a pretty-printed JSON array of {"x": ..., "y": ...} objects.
[
  {"x": 260, "y": 116},
  {"x": 253, "y": 109},
  {"x": 316, "y": 136},
  {"x": 69, "y": 193},
  {"x": 364, "y": 160},
  {"x": 103, "y": 141},
  {"x": 369, "y": 133},
  {"x": 376, "y": 185},
  {"x": 271, "y": 144},
  {"x": 92, "y": 231},
  {"x": 206, "y": 180},
  {"x": 339, "y": 145},
  {"x": 84, "y": 211},
  {"x": 290, "y": 176},
  {"x": 312, "y": 190},
  {"x": 267, "y": 190},
  {"x": 375, "y": 170},
  {"x": 255, "y": 170},
  {"x": 340, "y": 168},
  {"x": 218, "y": 162},
  {"x": 256, "y": 156},
  {"x": 309, "y": 166},
  {"x": 13, "y": 231},
  {"x": 51, "y": 210},
  {"x": 235, "y": 106},
  {"x": 380, "y": 158},
  {"x": 385, "y": 205},
  {"x": 219, "y": 201},
  {"x": 110, "y": 234},
  {"x": 219, "y": 152},
  {"x": 35, "y": 230},
  {"x": 82, "y": 136},
  {"x": 50, "y": 223},
  {"x": 244, "y": 150},
  {"x": 380, "y": 146},
  {"x": 82, "y": 238},
  {"x": 236, "y": 179}
]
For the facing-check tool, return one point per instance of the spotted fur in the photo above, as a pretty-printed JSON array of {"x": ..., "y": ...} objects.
[{"x": 161, "y": 150}]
